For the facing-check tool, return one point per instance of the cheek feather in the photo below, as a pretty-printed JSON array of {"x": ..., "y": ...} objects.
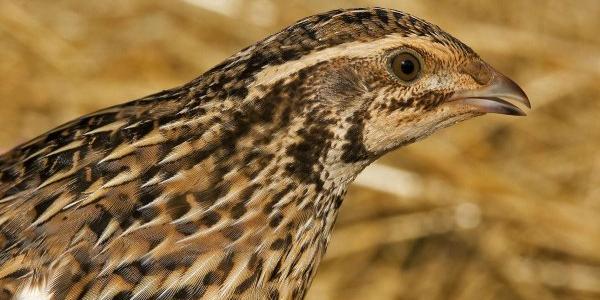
[{"x": 438, "y": 83}]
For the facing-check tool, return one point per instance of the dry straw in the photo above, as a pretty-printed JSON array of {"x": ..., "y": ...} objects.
[{"x": 496, "y": 208}]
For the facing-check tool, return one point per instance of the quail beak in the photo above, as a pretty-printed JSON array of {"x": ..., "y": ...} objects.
[{"x": 494, "y": 97}]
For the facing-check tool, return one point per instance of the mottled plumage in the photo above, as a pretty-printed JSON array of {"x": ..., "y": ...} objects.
[{"x": 228, "y": 186}]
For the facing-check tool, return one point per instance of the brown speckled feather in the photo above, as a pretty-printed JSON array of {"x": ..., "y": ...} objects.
[{"x": 227, "y": 187}]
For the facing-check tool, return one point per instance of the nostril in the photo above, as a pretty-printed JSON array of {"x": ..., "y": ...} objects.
[{"x": 479, "y": 71}]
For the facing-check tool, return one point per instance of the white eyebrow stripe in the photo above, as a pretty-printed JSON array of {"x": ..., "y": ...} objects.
[{"x": 273, "y": 74}]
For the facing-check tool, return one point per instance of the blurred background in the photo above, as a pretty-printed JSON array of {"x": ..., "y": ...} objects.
[{"x": 494, "y": 208}]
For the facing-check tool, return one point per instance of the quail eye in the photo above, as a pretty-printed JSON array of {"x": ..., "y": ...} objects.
[{"x": 405, "y": 66}]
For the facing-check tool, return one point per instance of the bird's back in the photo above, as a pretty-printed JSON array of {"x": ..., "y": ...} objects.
[{"x": 163, "y": 198}]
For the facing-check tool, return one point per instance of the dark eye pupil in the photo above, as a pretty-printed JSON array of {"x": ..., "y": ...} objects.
[{"x": 407, "y": 66}]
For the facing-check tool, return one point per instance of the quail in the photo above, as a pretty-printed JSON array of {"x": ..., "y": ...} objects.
[{"x": 228, "y": 186}]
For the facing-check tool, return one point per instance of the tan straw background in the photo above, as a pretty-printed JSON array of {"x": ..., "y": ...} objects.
[{"x": 495, "y": 208}]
